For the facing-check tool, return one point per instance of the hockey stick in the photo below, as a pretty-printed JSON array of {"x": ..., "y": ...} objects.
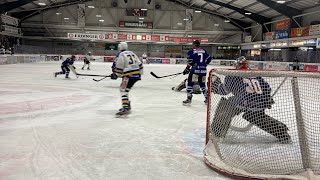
[
  {"x": 95, "y": 75},
  {"x": 154, "y": 75},
  {"x": 97, "y": 80},
  {"x": 249, "y": 126},
  {"x": 73, "y": 70}
]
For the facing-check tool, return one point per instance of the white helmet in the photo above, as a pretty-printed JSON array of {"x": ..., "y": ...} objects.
[{"x": 122, "y": 46}]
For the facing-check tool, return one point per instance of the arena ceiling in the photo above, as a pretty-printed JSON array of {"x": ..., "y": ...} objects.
[{"x": 242, "y": 10}]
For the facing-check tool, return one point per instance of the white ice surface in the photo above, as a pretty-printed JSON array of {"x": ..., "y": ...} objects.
[{"x": 66, "y": 129}]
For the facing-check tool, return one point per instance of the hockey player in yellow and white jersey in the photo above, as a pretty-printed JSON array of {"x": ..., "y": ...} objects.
[{"x": 129, "y": 67}]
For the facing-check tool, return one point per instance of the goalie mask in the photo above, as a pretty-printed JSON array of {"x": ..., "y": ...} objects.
[{"x": 241, "y": 63}]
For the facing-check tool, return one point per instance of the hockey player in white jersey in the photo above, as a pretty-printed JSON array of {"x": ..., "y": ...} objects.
[
  {"x": 129, "y": 67},
  {"x": 86, "y": 61},
  {"x": 144, "y": 58}
]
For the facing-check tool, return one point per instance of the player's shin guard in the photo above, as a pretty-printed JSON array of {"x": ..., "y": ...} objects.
[
  {"x": 269, "y": 124},
  {"x": 205, "y": 94},
  {"x": 125, "y": 98},
  {"x": 189, "y": 96}
]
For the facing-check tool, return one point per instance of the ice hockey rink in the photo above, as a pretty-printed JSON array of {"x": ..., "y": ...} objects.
[{"x": 53, "y": 128}]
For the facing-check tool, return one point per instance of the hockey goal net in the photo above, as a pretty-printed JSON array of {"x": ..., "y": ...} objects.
[{"x": 281, "y": 141}]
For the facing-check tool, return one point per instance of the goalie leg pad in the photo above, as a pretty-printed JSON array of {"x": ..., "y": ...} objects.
[
  {"x": 268, "y": 124},
  {"x": 223, "y": 117}
]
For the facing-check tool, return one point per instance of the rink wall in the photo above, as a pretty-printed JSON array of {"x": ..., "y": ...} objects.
[{"x": 268, "y": 65}]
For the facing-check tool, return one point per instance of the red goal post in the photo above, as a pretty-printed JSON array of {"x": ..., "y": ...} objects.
[{"x": 247, "y": 151}]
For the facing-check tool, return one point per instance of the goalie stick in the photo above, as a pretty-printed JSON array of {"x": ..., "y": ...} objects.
[
  {"x": 249, "y": 126},
  {"x": 154, "y": 75}
]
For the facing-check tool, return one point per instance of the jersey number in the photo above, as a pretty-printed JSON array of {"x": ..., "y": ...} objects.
[
  {"x": 253, "y": 86},
  {"x": 201, "y": 57},
  {"x": 131, "y": 58}
]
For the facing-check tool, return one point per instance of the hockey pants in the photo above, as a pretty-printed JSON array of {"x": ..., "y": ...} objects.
[
  {"x": 85, "y": 64},
  {"x": 226, "y": 111},
  {"x": 196, "y": 78},
  {"x": 65, "y": 70}
]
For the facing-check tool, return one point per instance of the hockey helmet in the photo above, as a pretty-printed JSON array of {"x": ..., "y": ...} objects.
[
  {"x": 73, "y": 57},
  {"x": 241, "y": 63},
  {"x": 89, "y": 53},
  {"x": 122, "y": 46},
  {"x": 196, "y": 43}
]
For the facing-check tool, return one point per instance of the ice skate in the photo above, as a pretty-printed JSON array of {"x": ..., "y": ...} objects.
[
  {"x": 123, "y": 112},
  {"x": 55, "y": 74},
  {"x": 88, "y": 68},
  {"x": 206, "y": 101},
  {"x": 187, "y": 102},
  {"x": 82, "y": 68}
]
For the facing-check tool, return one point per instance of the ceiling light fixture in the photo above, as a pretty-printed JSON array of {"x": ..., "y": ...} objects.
[
  {"x": 66, "y": 18},
  {"x": 185, "y": 19},
  {"x": 58, "y": 13},
  {"x": 227, "y": 21},
  {"x": 144, "y": 9},
  {"x": 141, "y": 18},
  {"x": 248, "y": 13},
  {"x": 281, "y": 2},
  {"x": 98, "y": 15},
  {"x": 42, "y": 4},
  {"x": 197, "y": 11},
  {"x": 91, "y": 7},
  {"x": 101, "y": 20}
]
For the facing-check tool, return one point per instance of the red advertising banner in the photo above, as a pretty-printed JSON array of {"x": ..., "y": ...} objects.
[
  {"x": 122, "y": 36},
  {"x": 165, "y": 61},
  {"x": 189, "y": 40},
  {"x": 269, "y": 36},
  {"x": 310, "y": 67},
  {"x": 108, "y": 59},
  {"x": 144, "y": 37},
  {"x": 136, "y": 24},
  {"x": 283, "y": 24},
  {"x": 155, "y": 38},
  {"x": 300, "y": 32}
]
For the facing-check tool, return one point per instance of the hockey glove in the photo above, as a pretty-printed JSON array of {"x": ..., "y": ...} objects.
[
  {"x": 215, "y": 84},
  {"x": 270, "y": 102},
  {"x": 186, "y": 71},
  {"x": 114, "y": 76},
  {"x": 215, "y": 80},
  {"x": 74, "y": 67}
]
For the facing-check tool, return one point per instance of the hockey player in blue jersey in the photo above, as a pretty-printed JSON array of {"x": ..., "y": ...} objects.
[
  {"x": 65, "y": 66},
  {"x": 198, "y": 59},
  {"x": 251, "y": 95},
  {"x": 129, "y": 67}
]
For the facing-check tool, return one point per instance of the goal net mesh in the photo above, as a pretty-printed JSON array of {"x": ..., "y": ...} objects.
[{"x": 265, "y": 124}]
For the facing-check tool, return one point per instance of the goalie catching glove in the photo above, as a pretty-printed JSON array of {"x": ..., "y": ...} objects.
[{"x": 216, "y": 81}]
